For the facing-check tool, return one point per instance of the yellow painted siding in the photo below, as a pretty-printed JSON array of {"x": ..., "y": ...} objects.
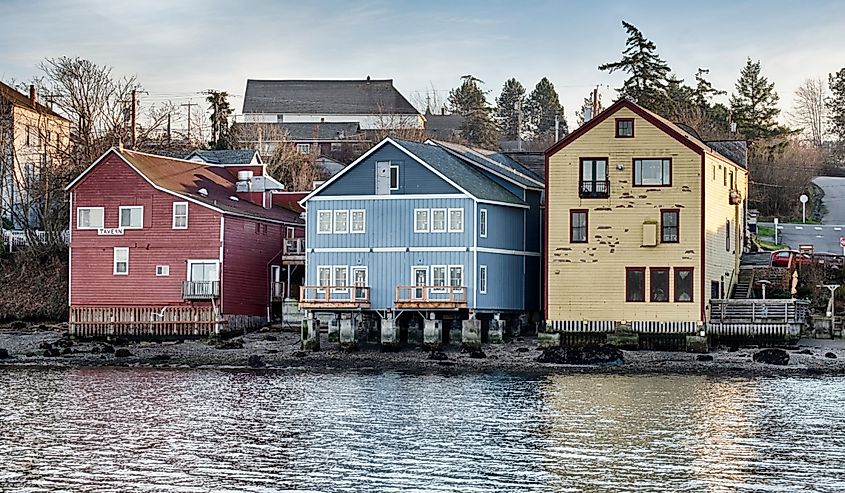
[
  {"x": 47, "y": 136},
  {"x": 587, "y": 281},
  {"x": 721, "y": 262}
]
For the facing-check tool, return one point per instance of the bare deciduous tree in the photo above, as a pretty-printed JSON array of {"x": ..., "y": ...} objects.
[
  {"x": 810, "y": 111},
  {"x": 778, "y": 180},
  {"x": 296, "y": 170}
]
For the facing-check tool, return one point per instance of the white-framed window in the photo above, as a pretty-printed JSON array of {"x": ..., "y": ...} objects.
[
  {"x": 203, "y": 270},
  {"x": 358, "y": 221},
  {"x": 482, "y": 223},
  {"x": 456, "y": 275},
  {"x": 438, "y": 275},
  {"x": 324, "y": 275},
  {"x": 131, "y": 217},
  {"x": 162, "y": 270},
  {"x": 303, "y": 148},
  {"x": 180, "y": 215},
  {"x": 482, "y": 280},
  {"x": 456, "y": 220},
  {"x": 341, "y": 221},
  {"x": 340, "y": 275},
  {"x": 121, "y": 261},
  {"x": 394, "y": 177},
  {"x": 89, "y": 217},
  {"x": 421, "y": 220},
  {"x": 290, "y": 232},
  {"x": 359, "y": 280},
  {"x": 324, "y": 222},
  {"x": 438, "y": 220}
]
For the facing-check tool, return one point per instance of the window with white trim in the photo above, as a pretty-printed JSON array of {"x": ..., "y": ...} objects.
[
  {"x": 324, "y": 276},
  {"x": 359, "y": 221},
  {"x": 121, "y": 261},
  {"x": 324, "y": 222},
  {"x": 438, "y": 275},
  {"x": 203, "y": 270},
  {"x": 421, "y": 220},
  {"x": 394, "y": 177},
  {"x": 341, "y": 221},
  {"x": 180, "y": 215},
  {"x": 131, "y": 217},
  {"x": 482, "y": 223},
  {"x": 482, "y": 279},
  {"x": 89, "y": 217},
  {"x": 456, "y": 276},
  {"x": 303, "y": 148},
  {"x": 438, "y": 220},
  {"x": 162, "y": 270},
  {"x": 340, "y": 275},
  {"x": 456, "y": 220}
]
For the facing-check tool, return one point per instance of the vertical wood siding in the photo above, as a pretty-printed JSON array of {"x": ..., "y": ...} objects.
[{"x": 246, "y": 259}]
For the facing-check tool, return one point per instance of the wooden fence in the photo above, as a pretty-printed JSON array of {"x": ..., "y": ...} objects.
[{"x": 144, "y": 321}]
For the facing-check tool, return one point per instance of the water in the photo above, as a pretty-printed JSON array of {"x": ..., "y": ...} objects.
[{"x": 98, "y": 430}]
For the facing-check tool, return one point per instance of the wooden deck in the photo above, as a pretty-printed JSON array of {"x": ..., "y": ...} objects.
[
  {"x": 293, "y": 251},
  {"x": 431, "y": 297},
  {"x": 334, "y": 297},
  {"x": 143, "y": 321}
]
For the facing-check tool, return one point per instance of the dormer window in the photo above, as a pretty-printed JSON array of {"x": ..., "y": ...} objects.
[{"x": 624, "y": 128}]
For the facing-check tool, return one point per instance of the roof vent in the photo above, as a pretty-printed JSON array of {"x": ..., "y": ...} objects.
[
  {"x": 203, "y": 192},
  {"x": 233, "y": 198},
  {"x": 244, "y": 175}
]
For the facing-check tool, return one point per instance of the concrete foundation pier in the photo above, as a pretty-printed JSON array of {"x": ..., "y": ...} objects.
[
  {"x": 433, "y": 333},
  {"x": 471, "y": 333},
  {"x": 310, "y": 337},
  {"x": 697, "y": 344},
  {"x": 334, "y": 330},
  {"x": 389, "y": 333},
  {"x": 497, "y": 330},
  {"x": 348, "y": 340},
  {"x": 547, "y": 340}
]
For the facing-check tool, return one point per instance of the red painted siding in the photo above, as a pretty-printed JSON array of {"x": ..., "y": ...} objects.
[
  {"x": 110, "y": 185},
  {"x": 248, "y": 252}
]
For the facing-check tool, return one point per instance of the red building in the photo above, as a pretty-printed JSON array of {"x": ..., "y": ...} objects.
[{"x": 163, "y": 246}]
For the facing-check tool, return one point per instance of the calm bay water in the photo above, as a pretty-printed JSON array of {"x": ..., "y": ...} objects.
[{"x": 99, "y": 430}]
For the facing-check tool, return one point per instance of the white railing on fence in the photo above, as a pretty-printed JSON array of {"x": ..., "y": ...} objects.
[{"x": 14, "y": 238}]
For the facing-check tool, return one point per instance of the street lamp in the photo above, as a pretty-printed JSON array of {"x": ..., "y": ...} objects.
[
  {"x": 803, "y": 198},
  {"x": 830, "y": 305},
  {"x": 764, "y": 283}
]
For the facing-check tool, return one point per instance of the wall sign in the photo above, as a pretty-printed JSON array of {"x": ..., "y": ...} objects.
[{"x": 110, "y": 232}]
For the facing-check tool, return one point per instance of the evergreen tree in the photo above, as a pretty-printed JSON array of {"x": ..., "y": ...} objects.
[
  {"x": 543, "y": 109},
  {"x": 836, "y": 104},
  {"x": 754, "y": 105},
  {"x": 220, "y": 113},
  {"x": 470, "y": 101},
  {"x": 704, "y": 91},
  {"x": 509, "y": 104},
  {"x": 647, "y": 72},
  {"x": 586, "y": 106}
]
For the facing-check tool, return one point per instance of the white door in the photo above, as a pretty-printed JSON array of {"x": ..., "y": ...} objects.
[
  {"x": 420, "y": 278},
  {"x": 383, "y": 178},
  {"x": 359, "y": 280},
  {"x": 276, "y": 281}
]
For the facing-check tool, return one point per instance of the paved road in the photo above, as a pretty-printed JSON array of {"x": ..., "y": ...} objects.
[
  {"x": 823, "y": 237},
  {"x": 834, "y": 198}
]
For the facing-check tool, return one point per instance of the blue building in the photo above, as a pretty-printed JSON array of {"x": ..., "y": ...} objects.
[{"x": 430, "y": 232}]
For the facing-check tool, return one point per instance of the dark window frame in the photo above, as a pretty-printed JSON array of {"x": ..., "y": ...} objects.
[
  {"x": 677, "y": 213},
  {"x": 728, "y": 236},
  {"x": 627, "y": 286},
  {"x": 651, "y": 271},
  {"x": 691, "y": 270},
  {"x": 586, "y": 213},
  {"x": 634, "y": 171},
  {"x": 594, "y": 194},
  {"x": 616, "y": 128}
]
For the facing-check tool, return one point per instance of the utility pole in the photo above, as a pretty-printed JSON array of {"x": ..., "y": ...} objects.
[
  {"x": 518, "y": 125},
  {"x": 134, "y": 117},
  {"x": 168, "y": 127},
  {"x": 595, "y": 101},
  {"x": 189, "y": 104}
]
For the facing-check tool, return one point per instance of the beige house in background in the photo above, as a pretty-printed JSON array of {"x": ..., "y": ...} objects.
[
  {"x": 645, "y": 224},
  {"x": 32, "y": 140}
]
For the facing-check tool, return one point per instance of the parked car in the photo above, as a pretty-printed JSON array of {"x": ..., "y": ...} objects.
[{"x": 781, "y": 258}]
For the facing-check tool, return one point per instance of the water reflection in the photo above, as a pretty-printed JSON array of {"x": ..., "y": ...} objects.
[{"x": 196, "y": 431}]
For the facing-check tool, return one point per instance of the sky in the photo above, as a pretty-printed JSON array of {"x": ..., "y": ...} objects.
[{"x": 178, "y": 48}]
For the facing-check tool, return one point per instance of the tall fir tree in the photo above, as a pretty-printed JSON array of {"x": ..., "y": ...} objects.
[
  {"x": 647, "y": 72},
  {"x": 220, "y": 112},
  {"x": 470, "y": 101},
  {"x": 543, "y": 108},
  {"x": 754, "y": 105},
  {"x": 509, "y": 105},
  {"x": 704, "y": 92},
  {"x": 836, "y": 104}
]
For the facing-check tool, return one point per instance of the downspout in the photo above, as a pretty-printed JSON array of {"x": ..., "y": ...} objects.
[
  {"x": 475, "y": 253},
  {"x": 220, "y": 260}
]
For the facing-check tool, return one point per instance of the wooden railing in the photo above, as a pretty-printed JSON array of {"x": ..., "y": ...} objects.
[
  {"x": 294, "y": 246},
  {"x": 334, "y": 296},
  {"x": 738, "y": 311},
  {"x": 200, "y": 290},
  {"x": 87, "y": 321},
  {"x": 431, "y": 296}
]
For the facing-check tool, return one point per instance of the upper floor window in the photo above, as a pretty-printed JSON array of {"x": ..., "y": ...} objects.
[
  {"x": 578, "y": 226},
  {"x": 421, "y": 218},
  {"x": 341, "y": 221},
  {"x": 324, "y": 222},
  {"x": 669, "y": 226},
  {"x": 132, "y": 217},
  {"x": 624, "y": 127},
  {"x": 438, "y": 220},
  {"x": 180, "y": 215},
  {"x": 359, "y": 221},
  {"x": 456, "y": 220},
  {"x": 594, "y": 182},
  {"x": 89, "y": 217},
  {"x": 303, "y": 148},
  {"x": 482, "y": 223},
  {"x": 652, "y": 172},
  {"x": 394, "y": 177}
]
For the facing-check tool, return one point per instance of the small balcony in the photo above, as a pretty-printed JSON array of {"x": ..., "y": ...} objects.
[
  {"x": 200, "y": 290},
  {"x": 432, "y": 297},
  {"x": 293, "y": 251},
  {"x": 734, "y": 197},
  {"x": 330, "y": 297},
  {"x": 594, "y": 189}
]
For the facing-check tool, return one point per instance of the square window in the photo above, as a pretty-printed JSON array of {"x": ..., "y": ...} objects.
[
  {"x": 659, "y": 284},
  {"x": 89, "y": 217},
  {"x": 121, "y": 261},
  {"x": 324, "y": 222},
  {"x": 683, "y": 284},
  {"x": 358, "y": 221},
  {"x": 635, "y": 284},
  {"x": 624, "y": 127},
  {"x": 180, "y": 215},
  {"x": 438, "y": 220},
  {"x": 202, "y": 271},
  {"x": 394, "y": 177},
  {"x": 456, "y": 220},
  {"x": 421, "y": 218},
  {"x": 132, "y": 217},
  {"x": 578, "y": 226},
  {"x": 303, "y": 148},
  {"x": 669, "y": 226},
  {"x": 652, "y": 172},
  {"x": 162, "y": 270}
]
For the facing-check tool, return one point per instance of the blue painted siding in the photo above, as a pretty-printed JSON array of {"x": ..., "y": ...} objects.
[
  {"x": 505, "y": 226},
  {"x": 505, "y": 291},
  {"x": 414, "y": 178},
  {"x": 534, "y": 222}
]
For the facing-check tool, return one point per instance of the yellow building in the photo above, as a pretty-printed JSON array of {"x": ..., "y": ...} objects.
[{"x": 645, "y": 224}]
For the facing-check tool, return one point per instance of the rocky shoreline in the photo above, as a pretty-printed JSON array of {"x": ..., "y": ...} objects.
[{"x": 269, "y": 349}]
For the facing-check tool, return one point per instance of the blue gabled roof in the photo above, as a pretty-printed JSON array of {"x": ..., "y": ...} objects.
[{"x": 463, "y": 174}]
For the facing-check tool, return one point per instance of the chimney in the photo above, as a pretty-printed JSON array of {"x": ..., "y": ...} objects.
[
  {"x": 32, "y": 96},
  {"x": 442, "y": 110},
  {"x": 368, "y": 79}
]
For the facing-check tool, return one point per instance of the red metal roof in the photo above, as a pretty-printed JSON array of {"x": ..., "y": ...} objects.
[{"x": 289, "y": 200}]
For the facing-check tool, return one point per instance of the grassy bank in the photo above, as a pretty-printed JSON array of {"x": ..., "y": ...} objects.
[{"x": 33, "y": 285}]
